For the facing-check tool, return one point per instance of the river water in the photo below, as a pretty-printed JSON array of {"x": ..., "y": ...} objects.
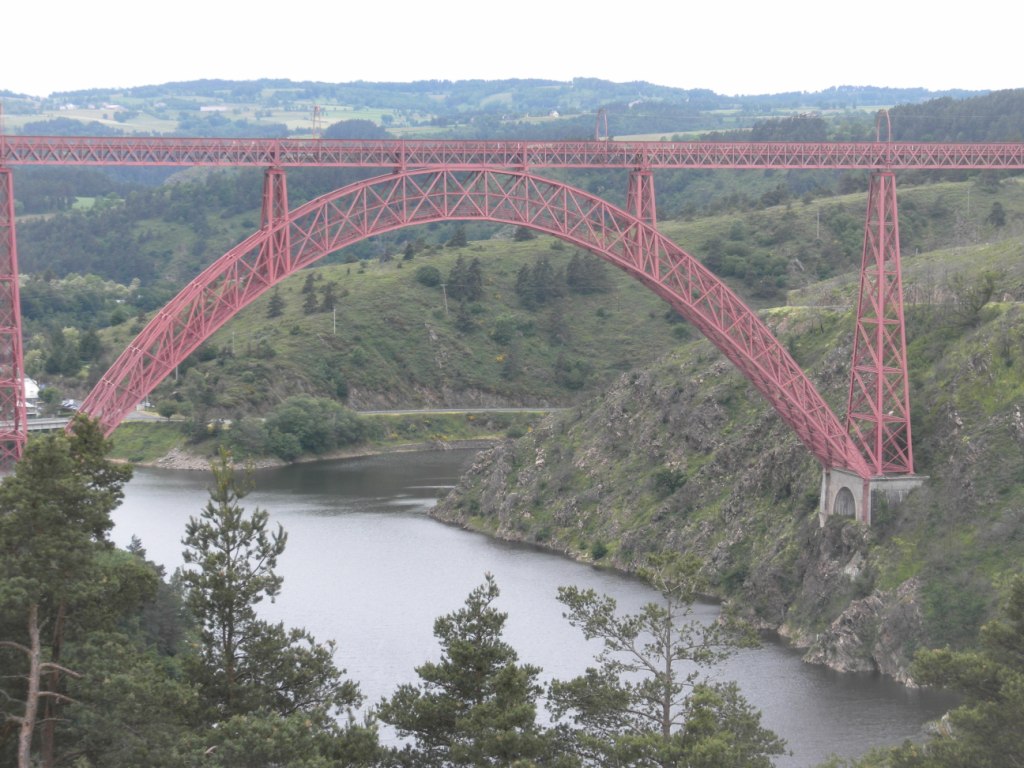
[{"x": 367, "y": 567}]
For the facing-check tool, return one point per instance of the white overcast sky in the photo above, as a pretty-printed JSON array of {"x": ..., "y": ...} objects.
[{"x": 731, "y": 47}]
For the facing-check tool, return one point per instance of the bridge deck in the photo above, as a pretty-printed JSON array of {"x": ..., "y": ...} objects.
[{"x": 452, "y": 154}]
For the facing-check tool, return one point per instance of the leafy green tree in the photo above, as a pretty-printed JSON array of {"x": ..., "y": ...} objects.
[
  {"x": 317, "y": 424},
  {"x": 646, "y": 703},
  {"x": 54, "y": 519},
  {"x": 984, "y": 731},
  {"x": 428, "y": 276},
  {"x": 477, "y": 706}
]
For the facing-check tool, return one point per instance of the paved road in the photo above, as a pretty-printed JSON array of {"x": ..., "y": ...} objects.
[{"x": 59, "y": 422}]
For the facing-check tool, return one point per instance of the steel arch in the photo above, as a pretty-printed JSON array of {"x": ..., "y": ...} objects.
[{"x": 398, "y": 200}]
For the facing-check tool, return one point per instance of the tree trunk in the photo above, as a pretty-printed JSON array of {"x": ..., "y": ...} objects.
[
  {"x": 32, "y": 696},
  {"x": 47, "y": 747}
]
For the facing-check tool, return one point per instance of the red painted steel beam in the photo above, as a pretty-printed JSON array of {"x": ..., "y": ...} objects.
[
  {"x": 13, "y": 427},
  {"x": 878, "y": 407},
  {"x": 394, "y": 201},
  {"x": 515, "y": 155}
]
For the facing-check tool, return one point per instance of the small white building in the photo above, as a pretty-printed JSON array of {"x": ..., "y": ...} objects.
[{"x": 31, "y": 397}]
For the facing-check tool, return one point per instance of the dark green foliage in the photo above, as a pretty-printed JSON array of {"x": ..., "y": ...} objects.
[
  {"x": 309, "y": 304},
  {"x": 329, "y": 298},
  {"x": 587, "y": 274},
  {"x": 355, "y": 129},
  {"x": 465, "y": 281},
  {"x": 646, "y": 703},
  {"x": 667, "y": 481},
  {"x": 477, "y": 705},
  {"x": 464, "y": 319},
  {"x": 572, "y": 373},
  {"x": 58, "y": 580},
  {"x": 997, "y": 216},
  {"x": 458, "y": 238},
  {"x": 984, "y": 732},
  {"x": 275, "y": 307},
  {"x": 539, "y": 284},
  {"x": 305, "y": 424},
  {"x": 428, "y": 276},
  {"x": 246, "y": 664},
  {"x": 234, "y": 555}
]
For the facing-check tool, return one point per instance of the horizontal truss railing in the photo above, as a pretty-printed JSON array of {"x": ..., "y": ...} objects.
[{"x": 398, "y": 153}]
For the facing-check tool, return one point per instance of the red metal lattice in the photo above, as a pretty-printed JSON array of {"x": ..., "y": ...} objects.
[
  {"x": 391, "y": 202},
  {"x": 448, "y": 154},
  {"x": 878, "y": 409},
  {"x": 13, "y": 429}
]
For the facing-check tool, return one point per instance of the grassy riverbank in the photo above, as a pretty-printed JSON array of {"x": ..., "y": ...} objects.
[{"x": 166, "y": 443}]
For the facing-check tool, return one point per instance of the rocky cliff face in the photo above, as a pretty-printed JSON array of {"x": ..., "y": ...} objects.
[{"x": 685, "y": 455}]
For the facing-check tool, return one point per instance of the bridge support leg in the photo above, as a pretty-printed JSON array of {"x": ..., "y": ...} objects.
[
  {"x": 878, "y": 408},
  {"x": 275, "y": 256},
  {"x": 640, "y": 203},
  {"x": 13, "y": 431}
]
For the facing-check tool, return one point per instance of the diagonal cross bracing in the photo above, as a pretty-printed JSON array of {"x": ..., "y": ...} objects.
[
  {"x": 379, "y": 205},
  {"x": 878, "y": 405}
]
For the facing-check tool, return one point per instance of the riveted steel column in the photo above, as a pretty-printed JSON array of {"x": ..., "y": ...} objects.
[
  {"x": 878, "y": 408},
  {"x": 13, "y": 428}
]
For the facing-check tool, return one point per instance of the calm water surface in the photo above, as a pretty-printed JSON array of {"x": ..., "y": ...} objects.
[{"x": 366, "y": 566}]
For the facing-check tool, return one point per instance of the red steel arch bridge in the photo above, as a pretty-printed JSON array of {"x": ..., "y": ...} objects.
[{"x": 497, "y": 181}]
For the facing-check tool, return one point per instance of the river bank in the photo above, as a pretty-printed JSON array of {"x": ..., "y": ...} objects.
[
  {"x": 172, "y": 444},
  {"x": 184, "y": 459}
]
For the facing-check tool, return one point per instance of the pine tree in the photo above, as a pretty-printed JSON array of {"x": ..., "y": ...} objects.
[
  {"x": 308, "y": 287},
  {"x": 457, "y": 276},
  {"x": 275, "y": 306},
  {"x": 477, "y": 705},
  {"x": 54, "y": 519},
  {"x": 464, "y": 321},
  {"x": 474, "y": 281},
  {"x": 309, "y": 304},
  {"x": 458, "y": 238},
  {"x": 328, "y": 301},
  {"x": 645, "y": 703}
]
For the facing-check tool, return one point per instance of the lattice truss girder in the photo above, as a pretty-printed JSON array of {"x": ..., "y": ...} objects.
[
  {"x": 878, "y": 406},
  {"x": 390, "y": 202},
  {"x": 13, "y": 426},
  {"x": 511, "y": 155}
]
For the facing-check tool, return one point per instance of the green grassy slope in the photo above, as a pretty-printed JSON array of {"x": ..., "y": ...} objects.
[{"x": 391, "y": 342}]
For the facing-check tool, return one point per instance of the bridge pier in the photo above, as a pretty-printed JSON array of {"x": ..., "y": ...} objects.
[{"x": 847, "y": 494}]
